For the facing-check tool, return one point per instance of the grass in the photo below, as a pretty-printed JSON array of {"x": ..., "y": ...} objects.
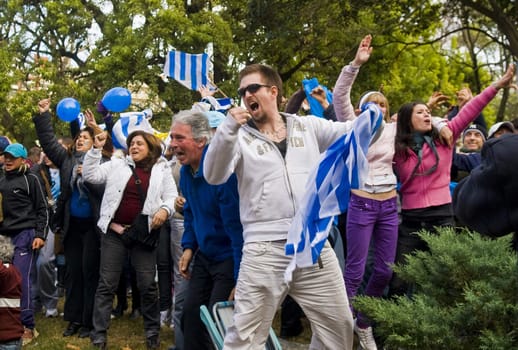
[{"x": 124, "y": 334}]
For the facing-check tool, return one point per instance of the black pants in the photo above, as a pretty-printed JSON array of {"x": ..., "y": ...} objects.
[
  {"x": 210, "y": 282},
  {"x": 82, "y": 254},
  {"x": 409, "y": 242},
  {"x": 164, "y": 265},
  {"x": 113, "y": 255}
]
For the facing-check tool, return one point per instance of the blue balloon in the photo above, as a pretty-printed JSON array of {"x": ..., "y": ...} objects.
[
  {"x": 117, "y": 99},
  {"x": 68, "y": 109}
]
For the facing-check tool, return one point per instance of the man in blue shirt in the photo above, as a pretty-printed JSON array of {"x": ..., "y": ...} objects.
[{"x": 213, "y": 235}]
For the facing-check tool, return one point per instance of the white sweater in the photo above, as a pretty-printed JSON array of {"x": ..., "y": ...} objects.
[{"x": 270, "y": 186}]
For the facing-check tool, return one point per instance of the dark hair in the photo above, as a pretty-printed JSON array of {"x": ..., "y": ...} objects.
[
  {"x": 270, "y": 75},
  {"x": 404, "y": 131},
  {"x": 295, "y": 101},
  {"x": 87, "y": 129},
  {"x": 154, "y": 144},
  {"x": 108, "y": 145}
]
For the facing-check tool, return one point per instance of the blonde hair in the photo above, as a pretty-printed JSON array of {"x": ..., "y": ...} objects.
[{"x": 378, "y": 98}]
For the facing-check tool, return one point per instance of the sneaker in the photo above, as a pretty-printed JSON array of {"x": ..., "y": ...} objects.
[
  {"x": 51, "y": 313},
  {"x": 165, "y": 318},
  {"x": 153, "y": 343},
  {"x": 100, "y": 345},
  {"x": 84, "y": 332},
  {"x": 71, "y": 329},
  {"x": 29, "y": 335},
  {"x": 365, "y": 337}
]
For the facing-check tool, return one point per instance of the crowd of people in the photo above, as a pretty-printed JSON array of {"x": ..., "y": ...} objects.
[{"x": 207, "y": 214}]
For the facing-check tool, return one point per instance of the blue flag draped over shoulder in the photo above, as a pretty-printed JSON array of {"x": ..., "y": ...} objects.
[
  {"x": 342, "y": 167},
  {"x": 190, "y": 70}
]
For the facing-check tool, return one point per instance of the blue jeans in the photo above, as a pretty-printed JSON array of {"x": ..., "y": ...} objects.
[
  {"x": 11, "y": 345},
  {"x": 45, "y": 291},
  {"x": 369, "y": 219},
  {"x": 25, "y": 261}
]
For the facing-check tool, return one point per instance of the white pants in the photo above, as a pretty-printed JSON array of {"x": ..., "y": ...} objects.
[{"x": 261, "y": 288}]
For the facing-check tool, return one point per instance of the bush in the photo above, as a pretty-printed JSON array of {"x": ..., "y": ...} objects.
[{"x": 466, "y": 296}]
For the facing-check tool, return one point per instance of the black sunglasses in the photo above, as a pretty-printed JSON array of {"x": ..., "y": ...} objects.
[{"x": 252, "y": 88}]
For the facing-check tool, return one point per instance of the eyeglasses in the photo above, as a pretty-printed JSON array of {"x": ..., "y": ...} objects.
[{"x": 252, "y": 88}]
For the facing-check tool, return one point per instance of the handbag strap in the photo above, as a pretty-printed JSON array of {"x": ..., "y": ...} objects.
[{"x": 139, "y": 188}]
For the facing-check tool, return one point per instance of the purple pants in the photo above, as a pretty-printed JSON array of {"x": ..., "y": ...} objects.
[
  {"x": 370, "y": 219},
  {"x": 25, "y": 261}
]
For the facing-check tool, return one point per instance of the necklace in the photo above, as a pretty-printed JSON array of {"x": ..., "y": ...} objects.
[{"x": 275, "y": 135}]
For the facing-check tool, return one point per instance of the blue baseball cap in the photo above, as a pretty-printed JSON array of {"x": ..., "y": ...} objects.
[{"x": 16, "y": 150}]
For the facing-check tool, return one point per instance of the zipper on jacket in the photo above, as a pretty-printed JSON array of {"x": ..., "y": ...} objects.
[{"x": 287, "y": 178}]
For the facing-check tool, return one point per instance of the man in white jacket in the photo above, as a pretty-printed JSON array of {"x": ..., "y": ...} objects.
[{"x": 272, "y": 154}]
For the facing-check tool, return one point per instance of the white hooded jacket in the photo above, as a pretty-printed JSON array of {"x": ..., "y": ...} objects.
[
  {"x": 161, "y": 192},
  {"x": 270, "y": 186}
]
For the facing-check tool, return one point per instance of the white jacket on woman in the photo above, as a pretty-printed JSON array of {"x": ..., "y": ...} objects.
[{"x": 115, "y": 174}]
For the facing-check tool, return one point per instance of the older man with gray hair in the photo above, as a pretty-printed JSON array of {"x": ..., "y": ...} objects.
[{"x": 212, "y": 229}]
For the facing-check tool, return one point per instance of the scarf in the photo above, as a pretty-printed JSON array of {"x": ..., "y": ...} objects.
[{"x": 419, "y": 140}]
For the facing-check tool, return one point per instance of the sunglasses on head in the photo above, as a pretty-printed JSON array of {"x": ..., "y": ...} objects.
[{"x": 252, "y": 88}]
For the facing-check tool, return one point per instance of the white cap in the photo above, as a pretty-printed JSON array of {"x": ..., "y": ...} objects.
[{"x": 498, "y": 126}]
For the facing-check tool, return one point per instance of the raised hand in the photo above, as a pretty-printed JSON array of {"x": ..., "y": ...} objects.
[
  {"x": 44, "y": 105},
  {"x": 240, "y": 115},
  {"x": 507, "y": 79},
  {"x": 364, "y": 51},
  {"x": 436, "y": 99}
]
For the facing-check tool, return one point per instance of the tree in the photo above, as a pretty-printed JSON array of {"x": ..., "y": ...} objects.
[
  {"x": 92, "y": 46},
  {"x": 466, "y": 296}
]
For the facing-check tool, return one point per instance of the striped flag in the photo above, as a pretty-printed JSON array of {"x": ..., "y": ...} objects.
[
  {"x": 190, "y": 70},
  {"x": 342, "y": 167},
  {"x": 128, "y": 122}
]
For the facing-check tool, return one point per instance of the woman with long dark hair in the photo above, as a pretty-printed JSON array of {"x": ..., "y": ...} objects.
[
  {"x": 423, "y": 164},
  {"x": 76, "y": 214}
]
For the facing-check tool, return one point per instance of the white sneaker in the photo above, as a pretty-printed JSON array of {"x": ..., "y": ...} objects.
[
  {"x": 51, "y": 313},
  {"x": 165, "y": 318},
  {"x": 365, "y": 337}
]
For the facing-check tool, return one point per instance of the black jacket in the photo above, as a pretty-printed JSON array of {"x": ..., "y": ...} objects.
[
  {"x": 65, "y": 161},
  {"x": 24, "y": 204},
  {"x": 487, "y": 200}
]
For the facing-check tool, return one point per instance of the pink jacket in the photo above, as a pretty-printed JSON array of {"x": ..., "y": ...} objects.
[{"x": 434, "y": 189}]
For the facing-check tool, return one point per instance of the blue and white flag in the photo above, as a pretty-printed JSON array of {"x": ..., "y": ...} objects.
[
  {"x": 218, "y": 104},
  {"x": 190, "y": 70},
  {"x": 342, "y": 167},
  {"x": 128, "y": 122}
]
